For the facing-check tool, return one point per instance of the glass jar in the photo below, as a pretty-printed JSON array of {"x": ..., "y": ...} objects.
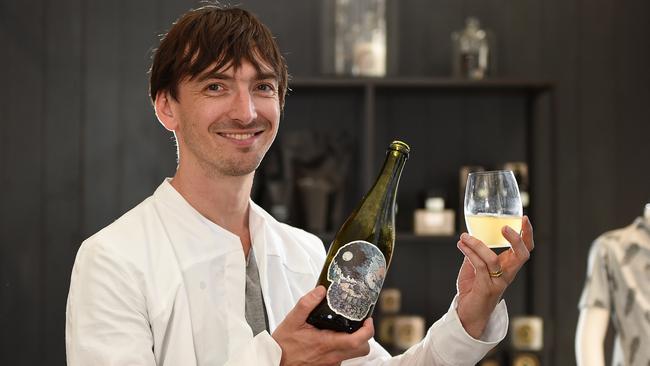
[
  {"x": 471, "y": 53},
  {"x": 360, "y": 37}
]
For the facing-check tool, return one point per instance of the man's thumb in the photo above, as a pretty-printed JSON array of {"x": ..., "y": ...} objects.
[{"x": 306, "y": 304}]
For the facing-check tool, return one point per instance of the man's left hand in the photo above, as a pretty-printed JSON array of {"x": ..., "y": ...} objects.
[{"x": 484, "y": 275}]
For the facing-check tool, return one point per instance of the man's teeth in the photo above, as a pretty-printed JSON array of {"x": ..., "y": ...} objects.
[{"x": 238, "y": 136}]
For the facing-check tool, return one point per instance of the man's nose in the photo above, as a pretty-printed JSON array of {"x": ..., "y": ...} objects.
[{"x": 243, "y": 107}]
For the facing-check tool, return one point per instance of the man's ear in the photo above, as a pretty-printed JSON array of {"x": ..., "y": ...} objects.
[{"x": 165, "y": 111}]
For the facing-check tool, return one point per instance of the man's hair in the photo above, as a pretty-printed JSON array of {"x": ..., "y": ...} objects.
[{"x": 210, "y": 34}]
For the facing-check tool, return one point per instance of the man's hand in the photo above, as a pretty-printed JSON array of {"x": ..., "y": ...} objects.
[
  {"x": 304, "y": 344},
  {"x": 480, "y": 283}
]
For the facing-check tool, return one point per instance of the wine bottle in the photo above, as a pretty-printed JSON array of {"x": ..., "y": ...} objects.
[{"x": 361, "y": 251}]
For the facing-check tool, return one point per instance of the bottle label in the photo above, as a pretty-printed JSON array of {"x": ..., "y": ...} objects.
[{"x": 356, "y": 274}]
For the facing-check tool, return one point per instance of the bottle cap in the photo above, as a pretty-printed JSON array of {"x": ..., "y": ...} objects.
[{"x": 399, "y": 146}]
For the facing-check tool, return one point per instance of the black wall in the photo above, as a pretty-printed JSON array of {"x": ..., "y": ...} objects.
[{"x": 79, "y": 143}]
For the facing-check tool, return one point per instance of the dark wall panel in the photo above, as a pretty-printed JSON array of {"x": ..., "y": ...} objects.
[
  {"x": 62, "y": 180},
  {"x": 296, "y": 25},
  {"x": 101, "y": 114},
  {"x": 22, "y": 149},
  {"x": 167, "y": 11},
  {"x": 424, "y": 43},
  {"x": 631, "y": 93},
  {"x": 520, "y": 48},
  {"x": 598, "y": 118},
  {"x": 147, "y": 152},
  {"x": 560, "y": 54}
]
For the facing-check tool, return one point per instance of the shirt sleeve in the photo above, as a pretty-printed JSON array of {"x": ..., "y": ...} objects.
[
  {"x": 106, "y": 315},
  {"x": 596, "y": 290},
  {"x": 446, "y": 343}
]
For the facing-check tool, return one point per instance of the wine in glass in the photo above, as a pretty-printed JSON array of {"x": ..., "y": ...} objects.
[{"x": 492, "y": 201}]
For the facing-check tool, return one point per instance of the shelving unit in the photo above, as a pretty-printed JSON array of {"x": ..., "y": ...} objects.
[
  {"x": 448, "y": 123},
  {"x": 371, "y": 86}
]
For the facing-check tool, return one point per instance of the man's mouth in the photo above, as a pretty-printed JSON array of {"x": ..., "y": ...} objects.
[{"x": 239, "y": 136}]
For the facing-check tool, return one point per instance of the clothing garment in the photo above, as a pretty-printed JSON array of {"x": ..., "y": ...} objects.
[
  {"x": 165, "y": 286},
  {"x": 254, "y": 305},
  {"x": 618, "y": 280}
]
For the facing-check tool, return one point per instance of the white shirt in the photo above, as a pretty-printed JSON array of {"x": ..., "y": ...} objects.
[{"x": 163, "y": 285}]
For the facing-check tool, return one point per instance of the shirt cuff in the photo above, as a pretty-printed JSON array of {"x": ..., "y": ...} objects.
[
  {"x": 272, "y": 350},
  {"x": 262, "y": 351},
  {"x": 454, "y": 345}
]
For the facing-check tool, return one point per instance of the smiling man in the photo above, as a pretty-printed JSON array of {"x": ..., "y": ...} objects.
[{"x": 198, "y": 274}]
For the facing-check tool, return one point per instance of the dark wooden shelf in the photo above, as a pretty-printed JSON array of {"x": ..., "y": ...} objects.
[{"x": 422, "y": 82}]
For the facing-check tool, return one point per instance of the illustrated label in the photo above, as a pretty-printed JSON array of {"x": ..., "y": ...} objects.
[{"x": 356, "y": 274}]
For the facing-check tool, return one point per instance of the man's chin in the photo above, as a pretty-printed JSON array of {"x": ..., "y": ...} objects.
[{"x": 239, "y": 169}]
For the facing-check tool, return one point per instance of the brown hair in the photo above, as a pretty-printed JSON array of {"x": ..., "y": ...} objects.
[{"x": 212, "y": 34}]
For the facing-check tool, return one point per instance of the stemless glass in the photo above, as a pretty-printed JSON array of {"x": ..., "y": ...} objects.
[{"x": 492, "y": 201}]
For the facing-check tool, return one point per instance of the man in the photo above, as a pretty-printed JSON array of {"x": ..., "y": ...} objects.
[{"x": 197, "y": 274}]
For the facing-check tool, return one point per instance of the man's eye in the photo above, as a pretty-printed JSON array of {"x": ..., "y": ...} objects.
[
  {"x": 266, "y": 87},
  {"x": 214, "y": 87}
]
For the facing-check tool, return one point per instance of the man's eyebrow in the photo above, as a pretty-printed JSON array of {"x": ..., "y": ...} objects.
[
  {"x": 213, "y": 75},
  {"x": 221, "y": 76},
  {"x": 266, "y": 76}
]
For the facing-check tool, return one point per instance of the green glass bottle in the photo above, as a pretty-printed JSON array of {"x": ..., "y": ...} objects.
[{"x": 360, "y": 254}]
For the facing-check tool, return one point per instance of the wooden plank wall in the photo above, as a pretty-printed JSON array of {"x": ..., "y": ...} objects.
[{"x": 80, "y": 144}]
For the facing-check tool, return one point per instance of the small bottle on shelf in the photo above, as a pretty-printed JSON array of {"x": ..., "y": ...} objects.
[
  {"x": 434, "y": 219},
  {"x": 471, "y": 51}
]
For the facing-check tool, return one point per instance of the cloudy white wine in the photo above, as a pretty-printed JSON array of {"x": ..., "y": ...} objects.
[
  {"x": 360, "y": 253},
  {"x": 487, "y": 228}
]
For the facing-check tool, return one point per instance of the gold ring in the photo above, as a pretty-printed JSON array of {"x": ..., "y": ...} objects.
[{"x": 496, "y": 274}]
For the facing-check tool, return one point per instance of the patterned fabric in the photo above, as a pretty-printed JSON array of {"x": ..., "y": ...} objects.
[{"x": 618, "y": 280}]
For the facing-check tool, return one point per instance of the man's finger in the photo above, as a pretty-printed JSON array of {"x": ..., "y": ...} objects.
[
  {"x": 486, "y": 255},
  {"x": 360, "y": 351},
  {"x": 355, "y": 344},
  {"x": 527, "y": 233},
  {"x": 516, "y": 242},
  {"x": 480, "y": 267},
  {"x": 366, "y": 331},
  {"x": 307, "y": 303}
]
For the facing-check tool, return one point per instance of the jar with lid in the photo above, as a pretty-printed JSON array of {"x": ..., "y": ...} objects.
[{"x": 472, "y": 51}]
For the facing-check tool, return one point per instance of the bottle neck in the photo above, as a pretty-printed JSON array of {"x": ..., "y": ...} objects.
[{"x": 387, "y": 182}]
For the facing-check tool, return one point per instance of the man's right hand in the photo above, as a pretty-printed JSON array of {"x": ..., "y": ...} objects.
[{"x": 304, "y": 344}]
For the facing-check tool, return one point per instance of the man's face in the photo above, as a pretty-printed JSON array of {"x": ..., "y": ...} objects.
[{"x": 227, "y": 120}]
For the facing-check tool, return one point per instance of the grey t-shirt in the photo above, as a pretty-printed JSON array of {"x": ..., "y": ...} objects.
[
  {"x": 618, "y": 280},
  {"x": 255, "y": 310}
]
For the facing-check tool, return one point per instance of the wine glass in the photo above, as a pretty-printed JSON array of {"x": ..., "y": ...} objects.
[{"x": 492, "y": 201}]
